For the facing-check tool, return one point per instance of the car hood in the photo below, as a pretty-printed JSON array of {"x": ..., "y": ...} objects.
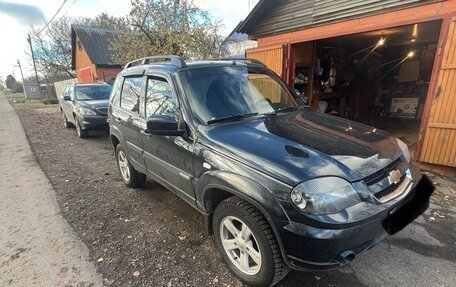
[
  {"x": 95, "y": 103},
  {"x": 300, "y": 145}
]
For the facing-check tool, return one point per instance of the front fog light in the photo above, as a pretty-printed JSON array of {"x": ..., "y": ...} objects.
[{"x": 324, "y": 195}]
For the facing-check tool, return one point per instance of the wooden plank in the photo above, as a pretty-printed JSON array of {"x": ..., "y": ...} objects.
[
  {"x": 450, "y": 146},
  {"x": 272, "y": 57},
  {"x": 443, "y": 114},
  {"x": 442, "y": 126},
  {"x": 439, "y": 142}
]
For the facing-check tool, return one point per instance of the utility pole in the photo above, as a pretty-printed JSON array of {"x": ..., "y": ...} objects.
[
  {"x": 20, "y": 68},
  {"x": 34, "y": 66}
]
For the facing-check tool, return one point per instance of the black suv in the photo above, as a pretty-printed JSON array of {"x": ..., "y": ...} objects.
[
  {"x": 85, "y": 106},
  {"x": 281, "y": 186}
]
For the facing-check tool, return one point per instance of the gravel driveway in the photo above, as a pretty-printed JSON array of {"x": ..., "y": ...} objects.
[{"x": 149, "y": 237}]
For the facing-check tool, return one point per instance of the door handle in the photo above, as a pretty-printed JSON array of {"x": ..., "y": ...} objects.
[{"x": 146, "y": 134}]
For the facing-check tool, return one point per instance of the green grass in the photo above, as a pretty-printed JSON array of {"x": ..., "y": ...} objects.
[{"x": 19, "y": 99}]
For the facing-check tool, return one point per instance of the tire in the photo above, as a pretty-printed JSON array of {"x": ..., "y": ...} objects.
[
  {"x": 81, "y": 133},
  {"x": 131, "y": 177},
  {"x": 66, "y": 123},
  {"x": 254, "y": 244}
]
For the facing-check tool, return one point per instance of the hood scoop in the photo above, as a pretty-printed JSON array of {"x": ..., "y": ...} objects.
[{"x": 296, "y": 152}]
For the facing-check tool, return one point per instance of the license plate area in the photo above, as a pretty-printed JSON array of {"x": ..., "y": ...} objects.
[{"x": 414, "y": 206}]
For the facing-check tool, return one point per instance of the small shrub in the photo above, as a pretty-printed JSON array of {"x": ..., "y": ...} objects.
[{"x": 50, "y": 101}]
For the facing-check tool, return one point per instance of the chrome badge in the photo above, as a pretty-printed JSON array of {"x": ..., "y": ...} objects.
[{"x": 394, "y": 176}]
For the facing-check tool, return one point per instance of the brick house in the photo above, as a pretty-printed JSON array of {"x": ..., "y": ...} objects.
[
  {"x": 389, "y": 64},
  {"x": 91, "y": 56}
]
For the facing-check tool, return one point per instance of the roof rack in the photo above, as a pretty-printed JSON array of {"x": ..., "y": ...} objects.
[
  {"x": 163, "y": 59},
  {"x": 251, "y": 60}
]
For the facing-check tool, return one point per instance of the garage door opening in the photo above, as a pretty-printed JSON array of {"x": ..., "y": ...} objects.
[{"x": 380, "y": 78}]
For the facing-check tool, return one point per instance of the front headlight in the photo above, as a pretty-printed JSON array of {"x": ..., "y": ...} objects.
[
  {"x": 405, "y": 150},
  {"x": 324, "y": 195},
  {"x": 85, "y": 112}
]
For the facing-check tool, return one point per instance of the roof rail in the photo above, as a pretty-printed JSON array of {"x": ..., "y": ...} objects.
[
  {"x": 251, "y": 60},
  {"x": 163, "y": 59}
]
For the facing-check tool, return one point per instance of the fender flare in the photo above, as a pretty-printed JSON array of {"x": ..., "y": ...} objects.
[
  {"x": 232, "y": 183},
  {"x": 114, "y": 131},
  {"x": 242, "y": 187}
]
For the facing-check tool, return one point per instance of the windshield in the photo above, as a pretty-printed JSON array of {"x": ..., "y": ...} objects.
[
  {"x": 221, "y": 92},
  {"x": 92, "y": 92}
]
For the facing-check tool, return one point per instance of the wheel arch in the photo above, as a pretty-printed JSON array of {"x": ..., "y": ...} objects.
[
  {"x": 214, "y": 187},
  {"x": 218, "y": 186},
  {"x": 115, "y": 136}
]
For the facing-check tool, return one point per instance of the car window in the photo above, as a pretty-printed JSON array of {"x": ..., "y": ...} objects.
[
  {"x": 160, "y": 99},
  {"x": 115, "y": 92},
  {"x": 71, "y": 92},
  {"x": 219, "y": 92},
  {"x": 64, "y": 92},
  {"x": 92, "y": 92},
  {"x": 131, "y": 93}
]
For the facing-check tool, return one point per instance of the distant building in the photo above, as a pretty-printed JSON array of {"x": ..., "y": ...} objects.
[
  {"x": 235, "y": 44},
  {"x": 31, "y": 91},
  {"x": 92, "y": 58}
]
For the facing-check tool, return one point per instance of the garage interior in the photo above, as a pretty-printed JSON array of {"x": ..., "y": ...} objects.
[{"x": 379, "y": 78}]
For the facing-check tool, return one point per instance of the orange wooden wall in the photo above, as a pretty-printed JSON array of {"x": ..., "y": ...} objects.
[
  {"x": 439, "y": 144},
  {"x": 271, "y": 57}
]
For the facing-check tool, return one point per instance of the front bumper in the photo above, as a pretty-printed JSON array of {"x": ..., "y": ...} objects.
[
  {"x": 307, "y": 247},
  {"x": 97, "y": 122}
]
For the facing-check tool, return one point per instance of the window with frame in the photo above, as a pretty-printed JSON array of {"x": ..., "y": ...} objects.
[
  {"x": 160, "y": 99},
  {"x": 115, "y": 93},
  {"x": 64, "y": 92},
  {"x": 131, "y": 94}
]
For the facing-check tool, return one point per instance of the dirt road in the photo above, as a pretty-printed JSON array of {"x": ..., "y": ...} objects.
[
  {"x": 37, "y": 246},
  {"x": 149, "y": 237}
]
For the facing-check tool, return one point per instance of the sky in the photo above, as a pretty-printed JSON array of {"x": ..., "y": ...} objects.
[{"x": 16, "y": 18}]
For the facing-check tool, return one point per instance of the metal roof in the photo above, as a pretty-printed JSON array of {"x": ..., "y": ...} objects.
[
  {"x": 96, "y": 42},
  {"x": 272, "y": 17}
]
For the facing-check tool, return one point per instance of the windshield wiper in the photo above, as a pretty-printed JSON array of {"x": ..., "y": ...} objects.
[
  {"x": 287, "y": 109},
  {"x": 232, "y": 117}
]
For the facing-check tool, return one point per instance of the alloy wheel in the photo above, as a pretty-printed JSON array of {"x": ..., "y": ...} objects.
[
  {"x": 78, "y": 127},
  {"x": 123, "y": 165},
  {"x": 240, "y": 245},
  {"x": 65, "y": 122}
]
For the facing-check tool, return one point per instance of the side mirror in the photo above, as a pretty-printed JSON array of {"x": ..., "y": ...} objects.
[
  {"x": 163, "y": 125},
  {"x": 66, "y": 98}
]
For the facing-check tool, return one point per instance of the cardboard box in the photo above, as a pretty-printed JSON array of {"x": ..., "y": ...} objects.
[{"x": 404, "y": 107}]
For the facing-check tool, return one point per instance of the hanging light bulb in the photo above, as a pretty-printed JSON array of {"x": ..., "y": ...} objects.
[
  {"x": 415, "y": 30},
  {"x": 381, "y": 42},
  {"x": 411, "y": 54}
]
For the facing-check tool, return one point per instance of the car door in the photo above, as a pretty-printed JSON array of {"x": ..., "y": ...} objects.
[
  {"x": 168, "y": 158},
  {"x": 129, "y": 120},
  {"x": 67, "y": 106},
  {"x": 62, "y": 102}
]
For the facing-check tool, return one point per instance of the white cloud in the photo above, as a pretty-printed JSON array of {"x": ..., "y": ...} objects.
[{"x": 22, "y": 13}]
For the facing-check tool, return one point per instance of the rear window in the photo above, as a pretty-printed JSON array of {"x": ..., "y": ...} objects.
[{"x": 92, "y": 92}]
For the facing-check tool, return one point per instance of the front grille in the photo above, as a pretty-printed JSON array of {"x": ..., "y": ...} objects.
[
  {"x": 382, "y": 173},
  {"x": 390, "y": 189},
  {"x": 103, "y": 111}
]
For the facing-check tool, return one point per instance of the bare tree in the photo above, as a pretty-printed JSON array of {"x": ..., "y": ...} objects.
[
  {"x": 52, "y": 47},
  {"x": 168, "y": 27}
]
